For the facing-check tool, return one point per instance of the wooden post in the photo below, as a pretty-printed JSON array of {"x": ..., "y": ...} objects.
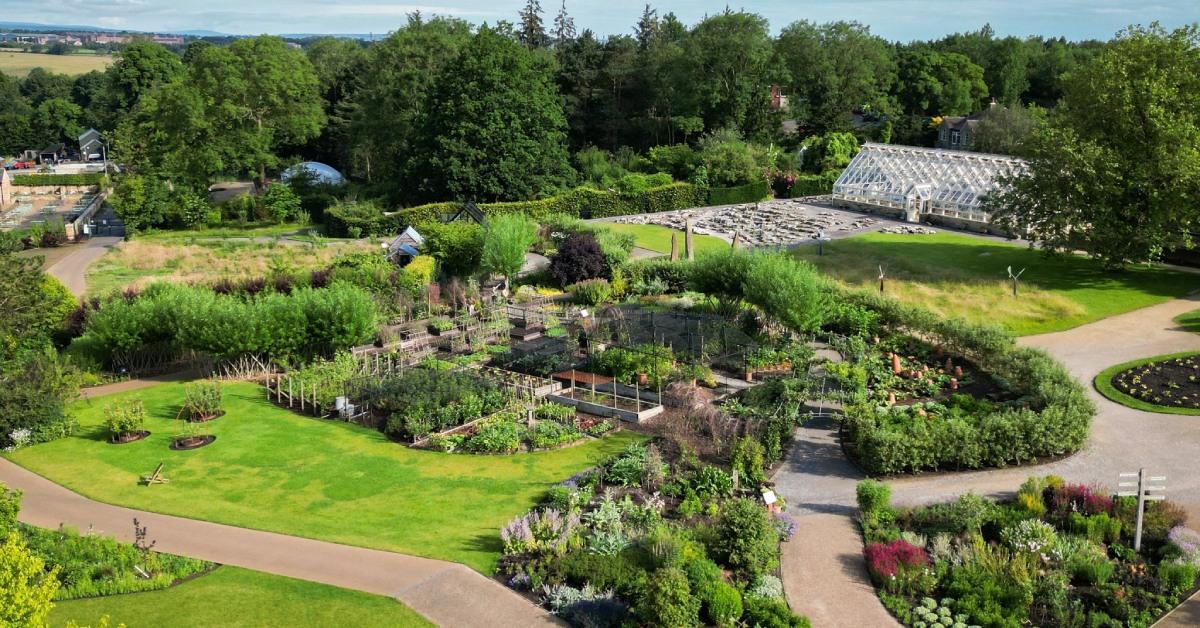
[
  {"x": 290, "y": 391},
  {"x": 302, "y": 396},
  {"x": 674, "y": 246},
  {"x": 688, "y": 250}
]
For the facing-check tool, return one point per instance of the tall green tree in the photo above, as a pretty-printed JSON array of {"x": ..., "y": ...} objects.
[
  {"x": 506, "y": 239},
  {"x": 137, "y": 70},
  {"x": 532, "y": 31},
  {"x": 263, "y": 95},
  {"x": 729, "y": 63},
  {"x": 1116, "y": 171},
  {"x": 834, "y": 70},
  {"x": 494, "y": 127},
  {"x": 935, "y": 83}
]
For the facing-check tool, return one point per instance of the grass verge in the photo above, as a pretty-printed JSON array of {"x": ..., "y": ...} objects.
[
  {"x": 234, "y": 597},
  {"x": 1189, "y": 321},
  {"x": 962, "y": 275},
  {"x": 1103, "y": 384},
  {"x": 658, "y": 238},
  {"x": 271, "y": 469}
]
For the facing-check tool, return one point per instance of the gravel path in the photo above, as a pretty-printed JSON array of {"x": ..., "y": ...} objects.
[
  {"x": 72, "y": 269},
  {"x": 824, "y": 573}
]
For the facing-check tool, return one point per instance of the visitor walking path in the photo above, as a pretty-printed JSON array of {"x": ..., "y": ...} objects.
[
  {"x": 448, "y": 594},
  {"x": 824, "y": 573},
  {"x": 72, "y": 269}
]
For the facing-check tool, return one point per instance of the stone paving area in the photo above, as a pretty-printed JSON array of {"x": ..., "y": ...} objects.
[{"x": 778, "y": 222}]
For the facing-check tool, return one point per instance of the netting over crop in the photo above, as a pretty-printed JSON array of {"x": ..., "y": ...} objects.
[{"x": 921, "y": 181}]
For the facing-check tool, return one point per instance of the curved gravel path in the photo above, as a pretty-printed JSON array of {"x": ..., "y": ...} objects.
[{"x": 824, "y": 573}]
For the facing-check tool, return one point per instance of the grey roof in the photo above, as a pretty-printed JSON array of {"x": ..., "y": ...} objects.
[{"x": 90, "y": 135}]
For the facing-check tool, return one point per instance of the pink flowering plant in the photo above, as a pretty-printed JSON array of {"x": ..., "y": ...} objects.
[{"x": 900, "y": 566}]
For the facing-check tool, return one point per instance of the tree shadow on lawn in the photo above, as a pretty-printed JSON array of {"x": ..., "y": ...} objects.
[{"x": 1062, "y": 272}]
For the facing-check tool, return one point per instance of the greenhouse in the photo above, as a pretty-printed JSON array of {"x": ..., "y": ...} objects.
[
  {"x": 920, "y": 182},
  {"x": 317, "y": 172}
]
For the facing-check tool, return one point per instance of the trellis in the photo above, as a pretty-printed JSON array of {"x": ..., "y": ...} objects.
[{"x": 923, "y": 181}]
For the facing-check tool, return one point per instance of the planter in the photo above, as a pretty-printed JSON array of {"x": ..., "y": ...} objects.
[
  {"x": 128, "y": 437},
  {"x": 205, "y": 419},
  {"x": 642, "y": 379},
  {"x": 192, "y": 442}
]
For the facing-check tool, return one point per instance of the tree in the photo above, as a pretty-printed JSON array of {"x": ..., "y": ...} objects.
[
  {"x": 834, "y": 70},
  {"x": 26, "y": 587},
  {"x": 505, "y": 242},
  {"x": 578, "y": 259},
  {"x": 728, "y": 62},
  {"x": 937, "y": 83},
  {"x": 262, "y": 95},
  {"x": 140, "y": 201},
  {"x": 832, "y": 151},
  {"x": 494, "y": 127},
  {"x": 456, "y": 246},
  {"x": 281, "y": 203},
  {"x": 172, "y": 134},
  {"x": 1004, "y": 130},
  {"x": 57, "y": 120},
  {"x": 532, "y": 33},
  {"x": 728, "y": 159},
  {"x": 137, "y": 70},
  {"x": 340, "y": 65},
  {"x": 35, "y": 305},
  {"x": 1116, "y": 171},
  {"x": 564, "y": 27}
]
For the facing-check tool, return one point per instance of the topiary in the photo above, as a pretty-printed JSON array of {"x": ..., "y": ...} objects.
[{"x": 723, "y": 604}]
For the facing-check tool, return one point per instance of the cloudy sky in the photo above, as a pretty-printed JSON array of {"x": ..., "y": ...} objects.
[{"x": 894, "y": 19}]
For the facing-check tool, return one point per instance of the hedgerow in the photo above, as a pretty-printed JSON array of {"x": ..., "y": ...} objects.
[{"x": 29, "y": 180}]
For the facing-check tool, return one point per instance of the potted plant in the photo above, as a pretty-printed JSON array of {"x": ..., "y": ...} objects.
[
  {"x": 202, "y": 401},
  {"x": 125, "y": 421}
]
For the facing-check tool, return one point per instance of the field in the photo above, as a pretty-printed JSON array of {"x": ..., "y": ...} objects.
[
  {"x": 20, "y": 63},
  {"x": 186, "y": 259},
  {"x": 271, "y": 469},
  {"x": 959, "y": 275},
  {"x": 658, "y": 238},
  {"x": 236, "y": 597}
]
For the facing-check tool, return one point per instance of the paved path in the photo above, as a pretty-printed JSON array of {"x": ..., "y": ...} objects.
[
  {"x": 72, "y": 269},
  {"x": 823, "y": 569},
  {"x": 449, "y": 594}
]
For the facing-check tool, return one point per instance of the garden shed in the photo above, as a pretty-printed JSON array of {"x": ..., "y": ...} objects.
[
  {"x": 915, "y": 183},
  {"x": 406, "y": 246}
]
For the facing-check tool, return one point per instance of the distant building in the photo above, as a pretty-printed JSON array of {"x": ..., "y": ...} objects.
[
  {"x": 52, "y": 154},
  {"x": 958, "y": 132},
  {"x": 90, "y": 144},
  {"x": 779, "y": 100},
  {"x": 105, "y": 38},
  {"x": 167, "y": 40}
]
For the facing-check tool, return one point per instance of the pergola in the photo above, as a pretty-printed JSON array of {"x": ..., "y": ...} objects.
[{"x": 922, "y": 181}]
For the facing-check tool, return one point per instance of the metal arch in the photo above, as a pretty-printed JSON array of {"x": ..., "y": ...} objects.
[{"x": 902, "y": 177}]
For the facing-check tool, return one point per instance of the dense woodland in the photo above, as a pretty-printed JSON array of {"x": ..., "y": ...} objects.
[{"x": 441, "y": 110}]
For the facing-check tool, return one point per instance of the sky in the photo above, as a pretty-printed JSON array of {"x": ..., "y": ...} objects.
[{"x": 902, "y": 20}]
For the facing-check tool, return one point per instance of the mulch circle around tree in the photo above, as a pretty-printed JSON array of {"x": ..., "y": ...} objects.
[
  {"x": 1174, "y": 382},
  {"x": 205, "y": 419},
  {"x": 192, "y": 442},
  {"x": 128, "y": 437}
]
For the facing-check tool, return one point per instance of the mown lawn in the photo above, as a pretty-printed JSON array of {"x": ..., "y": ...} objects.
[
  {"x": 272, "y": 469},
  {"x": 658, "y": 238},
  {"x": 235, "y": 598},
  {"x": 960, "y": 275}
]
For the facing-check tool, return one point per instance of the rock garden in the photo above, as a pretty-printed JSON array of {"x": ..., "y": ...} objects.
[{"x": 770, "y": 223}]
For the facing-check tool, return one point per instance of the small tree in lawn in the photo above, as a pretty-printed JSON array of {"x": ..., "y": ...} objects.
[
  {"x": 26, "y": 588},
  {"x": 125, "y": 419},
  {"x": 202, "y": 400},
  {"x": 578, "y": 259},
  {"x": 505, "y": 241}
]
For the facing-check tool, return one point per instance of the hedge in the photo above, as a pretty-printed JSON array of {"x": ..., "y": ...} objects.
[
  {"x": 814, "y": 184},
  {"x": 749, "y": 193},
  {"x": 584, "y": 202},
  {"x": 1052, "y": 414},
  {"x": 92, "y": 178}
]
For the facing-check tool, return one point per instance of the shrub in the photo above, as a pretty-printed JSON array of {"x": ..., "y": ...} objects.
[
  {"x": 1090, "y": 569},
  {"x": 87, "y": 178},
  {"x": 578, "y": 259},
  {"x": 669, "y": 601},
  {"x": 457, "y": 246},
  {"x": 202, "y": 400},
  {"x": 748, "y": 461},
  {"x": 281, "y": 203},
  {"x": 1030, "y": 535},
  {"x": 895, "y": 564},
  {"x": 25, "y": 598},
  {"x": 873, "y": 496},
  {"x": 10, "y": 507},
  {"x": 1178, "y": 578},
  {"x": 496, "y": 436},
  {"x": 125, "y": 417},
  {"x": 723, "y": 605},
  {"x": 591, "y": 292},
  {"x": 746, "y": 539},
  {"x": 771, "y": 613}
]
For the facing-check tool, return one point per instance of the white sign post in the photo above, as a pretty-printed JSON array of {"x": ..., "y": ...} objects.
[{"x": 1144, "y": 492}]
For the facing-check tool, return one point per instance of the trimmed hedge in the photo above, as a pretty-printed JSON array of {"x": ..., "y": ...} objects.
[
  {"x": 814, "y": 184},
  {"x": 1051, "y": 417},
  {"x": 584, "y": 202},
  {"x": 32, "y": 180},
  {"x": 749, "y": 193}
]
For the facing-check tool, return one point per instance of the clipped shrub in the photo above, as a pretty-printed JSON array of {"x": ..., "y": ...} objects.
[{"x": 873, "y": 496}]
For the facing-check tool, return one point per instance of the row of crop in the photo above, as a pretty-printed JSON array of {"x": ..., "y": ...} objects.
[{"x": 32, "y": 180}]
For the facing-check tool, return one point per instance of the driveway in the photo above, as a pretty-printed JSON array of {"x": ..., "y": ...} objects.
[{"x": 72, "y": 269}]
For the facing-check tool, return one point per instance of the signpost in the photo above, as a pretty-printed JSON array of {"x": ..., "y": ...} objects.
[{"x": 1145, "y": 492}]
